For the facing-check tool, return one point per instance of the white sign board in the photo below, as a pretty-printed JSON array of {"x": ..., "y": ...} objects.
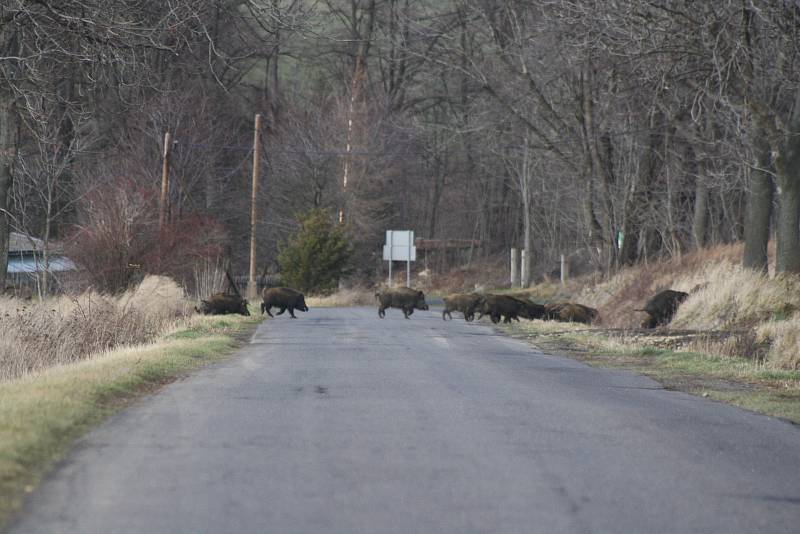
[{"x": 399, "y": 246}]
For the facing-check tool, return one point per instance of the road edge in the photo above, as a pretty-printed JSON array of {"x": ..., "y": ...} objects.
[{"x": 43, "y": 416}]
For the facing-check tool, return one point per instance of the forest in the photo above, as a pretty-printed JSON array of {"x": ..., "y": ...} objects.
[{"x": 611, "y": 131}]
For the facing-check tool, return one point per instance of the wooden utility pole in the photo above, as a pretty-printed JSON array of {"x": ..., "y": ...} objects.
[
  {"x": 163, "y": 213},
  {"x": 252, "y": 288}
]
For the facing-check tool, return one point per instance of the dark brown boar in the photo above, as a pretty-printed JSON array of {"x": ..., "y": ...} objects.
[
  {"x": 405, "y": 298},
  {"x": 223, "y": 303},
  {"x": 466, "y": 303},
  {"x": 284, "y": 298},
  {"x": 662, "y": 307},
  {"x": 505, "y": 307},
  {"x": 569, "y": 312}
]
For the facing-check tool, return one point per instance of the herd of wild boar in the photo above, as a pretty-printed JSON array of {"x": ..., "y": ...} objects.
[
  {"x": 660, "y": 309},
  {"x": 497, "y": 307}
]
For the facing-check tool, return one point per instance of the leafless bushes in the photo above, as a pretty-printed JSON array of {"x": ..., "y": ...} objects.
[{"x": 34, "y": 336}]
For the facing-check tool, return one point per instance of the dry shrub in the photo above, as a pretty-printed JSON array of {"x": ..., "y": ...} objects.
[
  {"x": 736, "y": 297},
  {"x": 783, "y": 338},
  {"x": 747, "y": 313},
  {"x": 209, "y": 278},
  {"x": 120, "y": 237},
  {"x": 34, "y": 336},
  {"x": 619, "y": 297}
]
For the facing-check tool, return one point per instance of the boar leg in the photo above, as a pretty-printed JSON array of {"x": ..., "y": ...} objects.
[
  {"x": 283, "y": 309},
  {"x": 446, "y": 311},
  {"x": 291, "y": 312},
  {"x": 381, "y": 312},
  {"x": 267, "y": 309}
]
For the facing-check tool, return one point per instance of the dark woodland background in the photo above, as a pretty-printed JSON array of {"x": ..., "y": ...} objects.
[{"x": 609, "y": 131}]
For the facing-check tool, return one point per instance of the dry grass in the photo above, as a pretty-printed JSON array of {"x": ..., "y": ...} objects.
[
  {"x": 619, "y": 297},
  {"x": 783, "y": 338},
  {"x": 735, "y": 297},
  {"x": 343, "y": 297},
  {"x": 38, "y": 335},
  {"x": 760, "y": 311}
]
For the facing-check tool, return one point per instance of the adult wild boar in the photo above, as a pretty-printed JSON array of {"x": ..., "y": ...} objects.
[
  {"x": 662, "y": 307},
  {"x": 569, "y": 312},
  {"x": 223, "y": 303},
  {"x": 405, "y": 298},
  {"x": 466, "y": 303},
  {"x": 508, "y": 307},
  {"x": 284, "y": 298}
]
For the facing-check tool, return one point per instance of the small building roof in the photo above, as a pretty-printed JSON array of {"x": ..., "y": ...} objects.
[{"x": 18, "y": 242}]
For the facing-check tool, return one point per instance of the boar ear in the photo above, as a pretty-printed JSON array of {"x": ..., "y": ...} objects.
[{"x": 420, "y": 293}]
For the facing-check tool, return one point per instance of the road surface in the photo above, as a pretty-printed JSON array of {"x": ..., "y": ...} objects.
[{"x": 340, "y": 422}]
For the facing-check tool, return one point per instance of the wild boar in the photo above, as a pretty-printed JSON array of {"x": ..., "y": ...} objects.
[
  {"x": 223, "y": 303},
  {"x": 405, "y": 298},
  {"x": 533, "y": 310},
  {"x": 569, "y": 312},
  {"x": 662, "y": 307},
  {"x": 284, "y": 298},
  {"x": 465, "y": 303},
  {"x": 505, "y": 307}
]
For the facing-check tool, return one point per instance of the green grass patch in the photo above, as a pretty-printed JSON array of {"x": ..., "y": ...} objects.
[
  {"x": 740, "y": 381},
  {"x": 42, "y": 415}
]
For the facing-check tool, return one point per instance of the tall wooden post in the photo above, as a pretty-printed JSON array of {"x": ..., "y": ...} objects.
[
  {"x": 564, "y": 270},
  {"x": 163, "y": 212},
  {"x": 252, "y": 288}
]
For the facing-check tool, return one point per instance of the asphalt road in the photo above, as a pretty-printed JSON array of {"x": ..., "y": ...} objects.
[{"x": 340, "y": 422}]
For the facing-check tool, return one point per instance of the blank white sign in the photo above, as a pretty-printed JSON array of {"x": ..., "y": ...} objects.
[{"x": 400, "y": 241}]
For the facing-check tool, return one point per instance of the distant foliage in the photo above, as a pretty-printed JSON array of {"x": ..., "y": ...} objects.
[{"x": 317, "y": 256}]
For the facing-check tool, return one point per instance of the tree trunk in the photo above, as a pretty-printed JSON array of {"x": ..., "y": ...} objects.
[
  {"x": 759, "y": 210},
  {"x": 438, "y": 186},
  {"x": 7, "y": 153},
  {"x": 637, "y": 203},
  {"x": 787, "y": 256},
  {"x": 700, "y": 218},
  {"x": 601, "y": 170},
  {"x": 525, "y": 190}
]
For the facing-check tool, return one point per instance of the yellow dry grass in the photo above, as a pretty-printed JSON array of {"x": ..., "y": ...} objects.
[
  {"x": 784, "y": 340},
  {"x": 723, "y": 296},
  {"x": 735, "y": 297},
  {"x": 343, "y": 297},
  {"x": 37, "y": 335}
]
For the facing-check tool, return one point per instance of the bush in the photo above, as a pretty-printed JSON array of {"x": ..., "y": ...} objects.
[
  {"x": 317, "y": 256},
  {"x": 62, "y": 330},
  {"x": 119, "y": 240}
]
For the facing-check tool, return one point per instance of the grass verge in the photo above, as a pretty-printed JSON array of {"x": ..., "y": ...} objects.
[
  {"x": 42, "y": 414},
  {"x": 742, "y": 382}
]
